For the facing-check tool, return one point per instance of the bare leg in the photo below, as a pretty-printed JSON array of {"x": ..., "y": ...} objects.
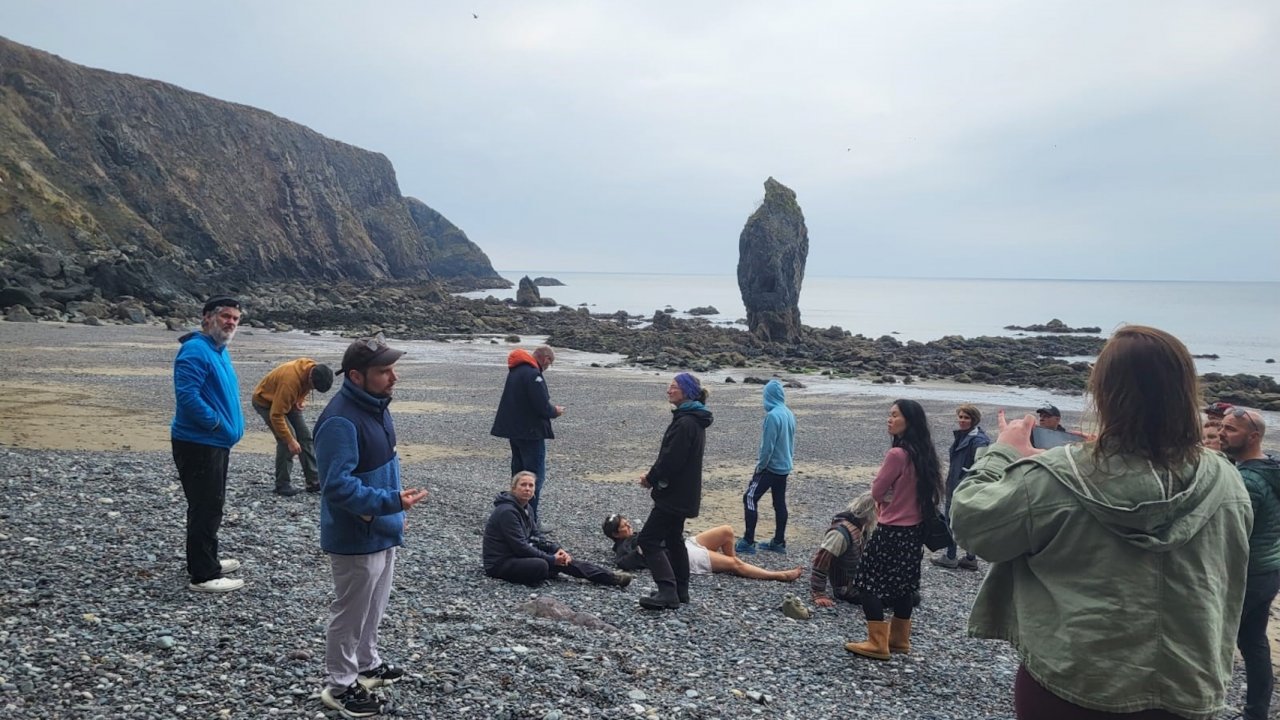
[
  {"x": 717, "y": 540},
  {"x": 721, "y": 563}
]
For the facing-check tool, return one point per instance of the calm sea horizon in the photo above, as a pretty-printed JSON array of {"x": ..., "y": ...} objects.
[{"x": 1232, "y": 320}]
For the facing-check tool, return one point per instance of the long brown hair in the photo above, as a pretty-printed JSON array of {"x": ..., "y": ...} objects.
[{"x": 1148, "y": 398}]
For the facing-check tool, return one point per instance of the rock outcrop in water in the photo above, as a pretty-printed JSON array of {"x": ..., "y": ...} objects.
[
  {"x": 117, "y": 185},
  {"x": 771, "y": 256}
]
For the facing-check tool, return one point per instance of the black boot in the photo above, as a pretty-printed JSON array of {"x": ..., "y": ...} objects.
[
  {"x": 664, "y": 599},
  {"x": 682, "y": 591}
]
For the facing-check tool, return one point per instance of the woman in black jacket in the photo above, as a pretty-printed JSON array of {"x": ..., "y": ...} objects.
[{"x": 675, "y": 484}]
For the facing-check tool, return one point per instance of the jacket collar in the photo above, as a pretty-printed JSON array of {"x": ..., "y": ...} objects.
[{"x": 363, "y": 399}]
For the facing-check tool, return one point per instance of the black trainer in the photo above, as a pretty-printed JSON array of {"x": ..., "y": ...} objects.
[
  {"x": 384, "y": 674},
  {"x": 353, "y": 702}
]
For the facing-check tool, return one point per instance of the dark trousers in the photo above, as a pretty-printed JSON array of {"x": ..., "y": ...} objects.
[
  {"x": 1031, "y": 700},
  {"x": 761, "y": 483},
  {"x": 1259, "y": 591},
  {"x": 951, "y": 549},
  {"x": 203, "y": 472},
  {"x": 284, "y": 459},
  {"x": 669, "y": 564},
  {"x": 873, "y": 607},
  {"x": 530, "y": 455},
  {"x": 534, "y": 571}
]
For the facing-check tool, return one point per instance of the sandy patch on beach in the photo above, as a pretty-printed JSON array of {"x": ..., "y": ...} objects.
[
  {"x": 64, "y": 416},
  {"x": 116, "y": 371},
  {"x": 426, "y": 407}
]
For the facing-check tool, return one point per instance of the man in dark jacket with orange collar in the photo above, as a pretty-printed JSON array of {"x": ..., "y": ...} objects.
[{"x": 524, "y": 417}]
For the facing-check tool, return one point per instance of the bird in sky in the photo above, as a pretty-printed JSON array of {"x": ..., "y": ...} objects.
[{"x": 475, "y": 16}]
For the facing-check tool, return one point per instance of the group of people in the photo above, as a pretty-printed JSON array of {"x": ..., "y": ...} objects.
[{"x": 1124, "y": 568}]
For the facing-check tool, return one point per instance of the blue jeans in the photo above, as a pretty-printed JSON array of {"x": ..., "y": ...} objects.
[
  {"x": 531, "y": 455},
  {"x": 1259, "y": 591}
]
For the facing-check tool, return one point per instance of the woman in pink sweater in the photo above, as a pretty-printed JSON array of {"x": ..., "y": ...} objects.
[{"x": 908, "y": 485}]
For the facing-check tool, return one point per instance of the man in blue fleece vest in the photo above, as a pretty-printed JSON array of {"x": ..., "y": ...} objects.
[
  {"x": 773, "y": 465},
  {"x": 207, "y": 423},
  {"x": 362, "y": 521}
]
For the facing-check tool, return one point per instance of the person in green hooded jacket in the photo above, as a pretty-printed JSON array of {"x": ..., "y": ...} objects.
[
  {"x": 1241, "y": 434},
  {"x": 1118, "y": 565}
]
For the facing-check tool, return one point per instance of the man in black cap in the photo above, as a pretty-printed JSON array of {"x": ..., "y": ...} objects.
[
  {"x": 207, "y": 423},
  {"x": 1050, "y": 417},
  {"x": 362, "y": 519},
  {"x": 279, "y": 399}
]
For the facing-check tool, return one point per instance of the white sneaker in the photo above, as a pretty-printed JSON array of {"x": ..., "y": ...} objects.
[
  {"x": 229, "y": 565},
  {"x": 218, "y": 585}
]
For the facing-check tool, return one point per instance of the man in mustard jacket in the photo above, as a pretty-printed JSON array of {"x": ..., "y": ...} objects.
[{"x": 279, "y": 399}]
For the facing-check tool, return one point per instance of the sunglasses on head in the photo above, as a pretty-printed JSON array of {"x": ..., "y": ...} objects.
[{"x": 1242, "y": 413}]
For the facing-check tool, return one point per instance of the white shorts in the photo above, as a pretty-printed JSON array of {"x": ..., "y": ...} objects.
[{"x": 699, "y": 558}]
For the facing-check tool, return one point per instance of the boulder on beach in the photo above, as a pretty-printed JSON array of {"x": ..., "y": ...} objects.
[
  {"x": 772, "y": 250},
  {"x": 527, "y": 294}
]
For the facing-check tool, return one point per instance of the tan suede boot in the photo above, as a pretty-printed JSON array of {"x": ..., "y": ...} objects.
[
  {"x": 877, "y": 642},
  {"x": 900, "y": 636}
]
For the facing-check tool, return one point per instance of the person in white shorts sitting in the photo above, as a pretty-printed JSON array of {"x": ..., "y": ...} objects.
[{"x": 710, "y": 551}]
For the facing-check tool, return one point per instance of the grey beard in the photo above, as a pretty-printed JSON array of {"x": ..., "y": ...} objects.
[{"x": 222, "y": 339}]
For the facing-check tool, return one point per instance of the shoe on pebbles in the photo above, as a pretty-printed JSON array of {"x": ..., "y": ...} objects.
[
  {"x": 217, "y": 585},
  {"x": 353, "y": 702},
  {"x": 229, "y": 565},
  {"x": 384, "y": 674}
]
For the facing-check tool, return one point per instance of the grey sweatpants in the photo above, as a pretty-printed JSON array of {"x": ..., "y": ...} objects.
[{"x": 363, "y": 586}]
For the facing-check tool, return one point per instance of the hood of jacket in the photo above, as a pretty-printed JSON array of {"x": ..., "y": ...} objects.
[
  {"x": 696, "y": 410},
  {"x": 774, "y": 395},
  {"x": 520, "y": 356},
  {"x": 506, "y": 498},
  {"x": 1160, "y": 514},
  {"x": 965, "y": 438}
]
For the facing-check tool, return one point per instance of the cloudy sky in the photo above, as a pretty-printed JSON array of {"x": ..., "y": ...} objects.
[{"x": 1079, "y": 139}]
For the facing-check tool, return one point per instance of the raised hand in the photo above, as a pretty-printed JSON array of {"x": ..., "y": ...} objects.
[
  {"x": 1017, "y": 434},
  {"x": 409, "y": 498}
]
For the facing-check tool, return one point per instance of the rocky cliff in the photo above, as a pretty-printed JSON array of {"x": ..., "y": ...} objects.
[
  {"x": 133, "y": 186},
  {"x": 772, "y": 250}
]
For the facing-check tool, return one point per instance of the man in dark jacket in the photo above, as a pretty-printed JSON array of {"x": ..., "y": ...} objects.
[
  {"x": 513, "y": 553},
  {"x": 969, "y": 436},
  {"x": 1241, "y": 437},
  {"x": 362, "y": 518},
  {"x": 524, "y": 417}
]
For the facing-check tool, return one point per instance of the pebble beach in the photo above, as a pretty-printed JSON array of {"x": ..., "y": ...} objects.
[{"x": 96, "y": 620}]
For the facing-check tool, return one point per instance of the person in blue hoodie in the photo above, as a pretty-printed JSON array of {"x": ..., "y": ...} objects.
[
  {"x": 773, "y": 465},
  {"x": 969, "y": 436},
  {"x": 362, "y": 519},
  {"x": 207, "y": 423}
]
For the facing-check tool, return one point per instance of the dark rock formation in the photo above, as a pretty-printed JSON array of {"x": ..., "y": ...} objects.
[
  {"x": 704, "y": 310},
  {"x": 547, "y": 282},
  {"x": 771, "y": 255},
  {"x": 450, "y": 253},
  {"x": 1053, "y": 326},
  {"x": 527, "y": 295},
  {"x": 136, "y": 187}
]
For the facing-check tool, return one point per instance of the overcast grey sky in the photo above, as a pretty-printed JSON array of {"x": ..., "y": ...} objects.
[{"x": 1079, "y": 139}]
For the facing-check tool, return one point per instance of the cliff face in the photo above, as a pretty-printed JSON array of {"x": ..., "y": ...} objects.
[
  {"x": 113, "y": 175},
  {"x": 451, "y": 254}
]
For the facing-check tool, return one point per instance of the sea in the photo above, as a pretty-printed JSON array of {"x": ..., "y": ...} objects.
[{"x": 1238, "y": 322}]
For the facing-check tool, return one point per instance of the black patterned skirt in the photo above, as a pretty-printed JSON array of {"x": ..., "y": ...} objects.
[{"x": 890, "y": 566}]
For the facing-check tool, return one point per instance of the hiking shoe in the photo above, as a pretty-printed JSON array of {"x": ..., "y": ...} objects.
[
  {"x": 968, "y": 562},
  {"x": 287, "y": 491},
  {"x": 229, "y": 565},
  {"x": 353, "y": 702},
  {"x": 313, "y": 487},
  {"x": 384, "y": 674},
  {"x": 742, "y": 547},
  {"x": 682, "y": 592},
  {"x": 774, "y": 546},
  {"x": 218, "y": 585},
  {"x": 942, "y": 560},
  {"x": 792, "y": 607},
  {"x": 622, "y": 579}
]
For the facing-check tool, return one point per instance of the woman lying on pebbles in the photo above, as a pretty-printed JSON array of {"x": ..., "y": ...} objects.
[{"x": 710, "y": 551}]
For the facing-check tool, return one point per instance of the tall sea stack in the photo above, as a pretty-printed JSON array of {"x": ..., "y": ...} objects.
[{"x": 771, "y": 254}]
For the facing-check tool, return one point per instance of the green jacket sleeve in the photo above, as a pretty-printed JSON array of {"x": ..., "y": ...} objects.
[{"x": 991, "y": 511}]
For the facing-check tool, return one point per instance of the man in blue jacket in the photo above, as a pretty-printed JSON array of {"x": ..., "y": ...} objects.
[
  {"x": 207, "y": 423},
  {"x": 524, "y": 417},
  {"x": 773, "y": 465},
  {"x": 361, "y": 523}
]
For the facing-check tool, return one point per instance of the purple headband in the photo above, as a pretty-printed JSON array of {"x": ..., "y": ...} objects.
[{"x": 689, "y": 386}]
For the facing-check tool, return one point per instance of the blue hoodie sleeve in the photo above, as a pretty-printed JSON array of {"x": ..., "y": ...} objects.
[
  {"x": 337, "y": 454},
  {"x": 768, "y": 440},
  {"x": 189, "y": 376}
]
